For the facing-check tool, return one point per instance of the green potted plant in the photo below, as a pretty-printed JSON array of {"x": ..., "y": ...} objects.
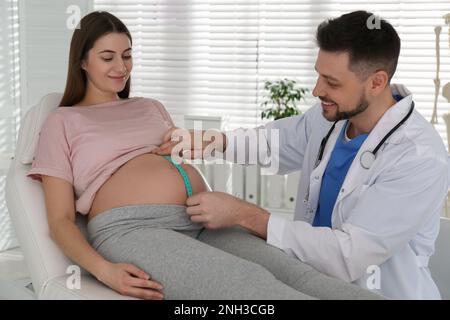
[{"x": 281, "y": 100}]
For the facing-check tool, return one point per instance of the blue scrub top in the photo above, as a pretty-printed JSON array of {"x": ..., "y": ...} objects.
[{"x": 341, "y": 158}]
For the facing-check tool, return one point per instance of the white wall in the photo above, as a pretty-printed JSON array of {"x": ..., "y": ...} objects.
[{"x": 45, "y": 41}]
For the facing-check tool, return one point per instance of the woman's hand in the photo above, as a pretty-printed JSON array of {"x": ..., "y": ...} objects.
[{"x": 129, "y": 280}]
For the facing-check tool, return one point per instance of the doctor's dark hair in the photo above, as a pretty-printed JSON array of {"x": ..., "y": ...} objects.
[
  {"x": 92, "y": 27},
  {"x": 371, "y": 42}
]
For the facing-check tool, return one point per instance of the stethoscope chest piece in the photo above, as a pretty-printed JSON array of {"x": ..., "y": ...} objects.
[{"x": 367, "y": 159}]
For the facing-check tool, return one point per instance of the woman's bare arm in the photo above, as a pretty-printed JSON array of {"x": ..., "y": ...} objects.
[
  {"x": 60, "y": 203},
  {"x": 124, "y": 278}
]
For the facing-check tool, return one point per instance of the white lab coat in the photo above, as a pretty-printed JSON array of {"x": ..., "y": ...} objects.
[{"x": 385, "y": 219}]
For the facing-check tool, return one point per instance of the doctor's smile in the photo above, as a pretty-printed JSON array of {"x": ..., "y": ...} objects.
[
  {"x": 327, "y": 104},
  {"x": 331, "y": 188}
]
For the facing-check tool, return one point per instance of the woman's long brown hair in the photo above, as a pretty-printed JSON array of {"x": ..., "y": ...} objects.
[{"x": 93, "y": 26}]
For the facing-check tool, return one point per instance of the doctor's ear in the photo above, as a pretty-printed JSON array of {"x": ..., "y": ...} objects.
[{"x": 378, "y": 82}]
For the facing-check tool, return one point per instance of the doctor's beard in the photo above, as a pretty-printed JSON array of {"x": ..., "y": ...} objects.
[{"x": 345, "y": 115}]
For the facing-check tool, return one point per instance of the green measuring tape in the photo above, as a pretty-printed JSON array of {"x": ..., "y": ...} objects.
[{"x": 183, "y": 173}]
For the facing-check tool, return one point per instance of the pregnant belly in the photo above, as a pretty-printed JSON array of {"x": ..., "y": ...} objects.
[{"x": 145, "y": 179}]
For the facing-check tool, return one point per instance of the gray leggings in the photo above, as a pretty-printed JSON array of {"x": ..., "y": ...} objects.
[{"x": 194, "y": 263}]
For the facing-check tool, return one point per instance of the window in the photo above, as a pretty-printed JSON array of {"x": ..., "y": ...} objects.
[{"x": 9, "y": 106}]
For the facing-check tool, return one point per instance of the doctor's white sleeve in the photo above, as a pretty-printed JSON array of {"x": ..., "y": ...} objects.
[
  {"x": 387, "y": 216},
  {"x": 279, "y": 146}
]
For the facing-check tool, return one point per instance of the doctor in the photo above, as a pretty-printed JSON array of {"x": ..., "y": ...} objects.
[{"x": 374, "y": 171}]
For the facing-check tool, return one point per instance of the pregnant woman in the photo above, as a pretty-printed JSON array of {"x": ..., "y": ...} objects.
[{"x": 94, "y": 158}]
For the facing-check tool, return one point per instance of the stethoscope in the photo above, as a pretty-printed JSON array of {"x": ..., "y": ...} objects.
[{"x": 367, "y": 157}]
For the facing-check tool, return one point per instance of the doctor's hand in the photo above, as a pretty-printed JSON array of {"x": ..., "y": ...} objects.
[
  {"x": 129, "y": 280},
  {"x": 216, "y": 210},
  {"x": 190, "y": 144}
]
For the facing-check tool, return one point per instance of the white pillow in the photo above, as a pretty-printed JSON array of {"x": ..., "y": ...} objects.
[{"x": 31, "y": 126}]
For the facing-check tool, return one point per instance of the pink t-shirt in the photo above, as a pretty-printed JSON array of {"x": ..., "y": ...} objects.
[{"x": 86, "y": 145}]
